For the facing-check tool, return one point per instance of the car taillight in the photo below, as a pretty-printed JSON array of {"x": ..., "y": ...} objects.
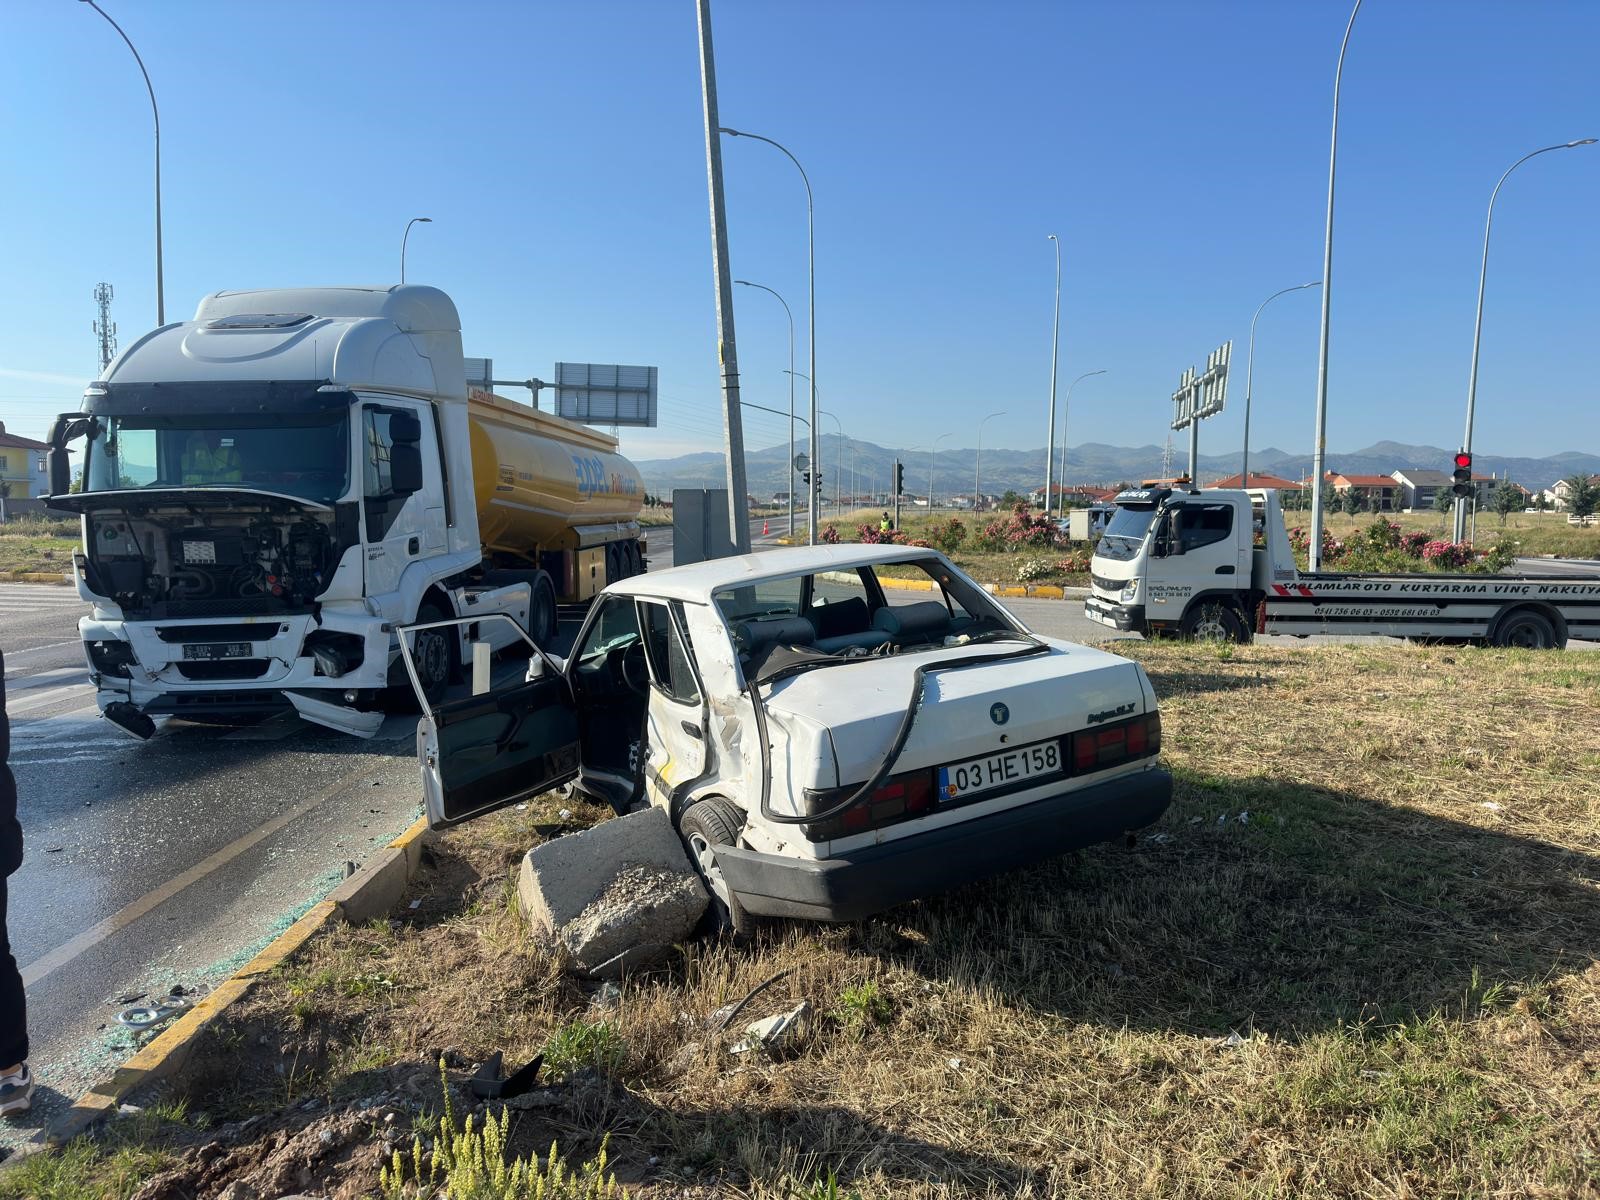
[
  {"x": 1098, "y": 749},
  {"x": 902, "y": 797}
]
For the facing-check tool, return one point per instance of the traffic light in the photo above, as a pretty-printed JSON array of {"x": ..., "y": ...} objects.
[
  {"x": 1462, "y": 477},
  {"x": 899, "y": 477},
  {"x": 806, "y": 475}
]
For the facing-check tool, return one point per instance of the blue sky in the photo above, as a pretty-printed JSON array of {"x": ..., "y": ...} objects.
[{"x": 1180, "y": 151}]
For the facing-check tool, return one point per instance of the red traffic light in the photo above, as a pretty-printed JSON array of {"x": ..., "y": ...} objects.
[{"x": 1463, "y": 460}]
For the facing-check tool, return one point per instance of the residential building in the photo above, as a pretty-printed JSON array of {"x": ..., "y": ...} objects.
[
  {"x": 22, "y": 465},
  {"x": 1381, "y": 492},
  {"x": 1418, "y": 487},
  {"x": 1561, "y": 491},
  {"x": 1257, "y": 480}
]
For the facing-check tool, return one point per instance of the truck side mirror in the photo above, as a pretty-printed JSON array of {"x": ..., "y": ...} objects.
[
  {"x": 405, "y": 468},
  {"x": 404, "y": 428},
  {"x": 60, "y": 467}
]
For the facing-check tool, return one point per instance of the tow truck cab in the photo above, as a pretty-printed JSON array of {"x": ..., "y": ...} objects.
[{"x": 1179, "y": 561}]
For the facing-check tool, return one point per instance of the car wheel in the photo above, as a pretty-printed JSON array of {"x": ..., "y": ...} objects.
[
  {"x": 1528, "y": 630},
  {"x": 706, "y": 825},
  {"x": 1214, "y": 621}
]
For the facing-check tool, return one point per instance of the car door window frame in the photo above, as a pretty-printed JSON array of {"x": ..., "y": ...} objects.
[{"x": 676, "y": 627}]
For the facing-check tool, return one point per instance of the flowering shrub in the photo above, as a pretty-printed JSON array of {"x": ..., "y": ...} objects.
[
  {"x": 1382, "y": 534},
  {"x": 830, "y": 535},
  {"x": 1031, "y": 570},
  {"x": 947, "y": 535},
  {"x": 1076, "y": 563},
  {"x": 1023, "y": 530},
  {"x": 873, "y": 536},
  {"x": 1412, "y": 543},
  {"x": 1447, "y": 556}
]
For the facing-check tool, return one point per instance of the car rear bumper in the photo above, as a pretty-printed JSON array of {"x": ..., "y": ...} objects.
[
  {"x": 1126, "y": 617},
  {"x": 866, "y": 881}
]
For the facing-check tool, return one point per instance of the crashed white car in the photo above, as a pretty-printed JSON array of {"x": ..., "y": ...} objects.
[{"x": 833, "y": 730}]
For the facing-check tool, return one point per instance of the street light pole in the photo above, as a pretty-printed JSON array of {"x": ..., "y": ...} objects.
[
  {"x": 977, "y": 464},
  {"x": 1055, "y": 351},
  {"x": 790, "y": 315},
  {"x": 1477, "y": 327},
  {"x": 838, "y": 461},
  {"x": 407, "y": 237},
  {"x": 1319, "y": 445},
  {"x": 933, "y": 455},
  {"x": 1250, "y": 374},
  {"x": 811, "y": 320},
  {"x": 161, "y": 294},
  {"x": 1066, "y": 407}
]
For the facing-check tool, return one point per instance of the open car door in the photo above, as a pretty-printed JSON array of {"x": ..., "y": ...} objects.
[{"x": 514, "y": 736}]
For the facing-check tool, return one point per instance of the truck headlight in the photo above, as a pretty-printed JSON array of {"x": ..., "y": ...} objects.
[{"x": 1130, "y": 590}]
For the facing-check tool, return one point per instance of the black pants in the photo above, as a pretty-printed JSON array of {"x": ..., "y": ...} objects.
[{"x": 13, "y": 1005}]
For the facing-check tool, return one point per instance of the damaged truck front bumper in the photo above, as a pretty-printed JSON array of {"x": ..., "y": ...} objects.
[{"x": 866, "y": 881}]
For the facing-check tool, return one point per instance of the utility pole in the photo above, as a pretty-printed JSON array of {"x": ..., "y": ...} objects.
[
  {"x": 727, "y": 353},
  {"x": 105, "y": 329},
  {"x": 894, "y": 485}
]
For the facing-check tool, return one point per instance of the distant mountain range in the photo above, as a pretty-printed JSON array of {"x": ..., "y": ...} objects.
[{"x": 866, "y": 466}]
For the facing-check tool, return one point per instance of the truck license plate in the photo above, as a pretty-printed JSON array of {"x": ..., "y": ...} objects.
[
  {"x": 212, "y": 650},
  {"x": 1037, "y": 762}
]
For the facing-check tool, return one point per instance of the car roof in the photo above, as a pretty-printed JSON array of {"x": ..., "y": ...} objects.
[{"x": 697, "y": 582}]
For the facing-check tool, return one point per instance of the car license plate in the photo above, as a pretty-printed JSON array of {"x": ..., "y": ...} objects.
[
  {"x": 211, "y": 650},
  {"x": 1040, "y": 761}
]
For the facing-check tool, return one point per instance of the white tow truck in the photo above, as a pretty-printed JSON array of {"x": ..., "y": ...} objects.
[
  {"x": 1219, "y": 564},
  {"x": 826, "y": 745}
]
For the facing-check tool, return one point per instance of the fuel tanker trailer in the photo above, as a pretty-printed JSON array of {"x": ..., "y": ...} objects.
[{"x": 270, "y": 490}]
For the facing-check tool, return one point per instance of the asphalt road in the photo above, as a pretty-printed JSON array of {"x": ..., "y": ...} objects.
[{"x": 168, "y": 862}]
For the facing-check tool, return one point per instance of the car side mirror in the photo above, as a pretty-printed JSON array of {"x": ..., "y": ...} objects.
[{"x": 405, "y": 468}]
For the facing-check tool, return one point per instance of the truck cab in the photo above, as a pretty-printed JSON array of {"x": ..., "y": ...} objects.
[
  {"x": 268, "y": 492},
  {"x": 1175, "y": 561}
]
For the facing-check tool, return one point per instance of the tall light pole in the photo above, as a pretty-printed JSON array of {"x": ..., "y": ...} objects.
[
  {"x": 1066, "y": 407},
  {"x": 1319, "y": 445},
  {"x": 1477, "y": 327},
  {"x": 811, "y": 320},
  {"x": 1250, "y": 374},
  {"x": 405, "y": 237},
  {"x": 977, "y": 464},
  {"x": 161, "y": 293},
  {"x": 838, "y": 461},
  {"x": 790, "y": 315},
  {"x": 933, "y": 455},
  {"x": 1055, "y": 351}
]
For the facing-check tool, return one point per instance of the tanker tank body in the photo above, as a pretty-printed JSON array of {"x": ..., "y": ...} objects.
[{"x": 553, "y": 495}]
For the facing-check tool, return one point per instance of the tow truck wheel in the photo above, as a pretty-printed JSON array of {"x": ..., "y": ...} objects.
[
  {"x": 1527, "y": 629},
  {"x": 1214, "y": 621},
  {"x": 706, "y": 825}
]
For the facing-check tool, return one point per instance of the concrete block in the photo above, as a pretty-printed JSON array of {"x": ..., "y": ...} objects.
[{"x": 623, "y": 888}]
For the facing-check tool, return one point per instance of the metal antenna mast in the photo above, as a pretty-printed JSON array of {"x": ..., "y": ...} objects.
[{"x": 105, "y": 328}]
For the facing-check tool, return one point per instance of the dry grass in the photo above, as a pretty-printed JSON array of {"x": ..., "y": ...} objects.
[
  {"x": 1402, "y": 933},
  {"x": 33, "y": 551},
  {"x": 1536, "y": 533}
]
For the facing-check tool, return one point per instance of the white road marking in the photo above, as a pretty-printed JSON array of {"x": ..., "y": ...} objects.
[{"x": 52, "y": 696}]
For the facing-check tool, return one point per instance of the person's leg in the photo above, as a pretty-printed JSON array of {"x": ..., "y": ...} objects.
[{"x": 13, "y": 1004}]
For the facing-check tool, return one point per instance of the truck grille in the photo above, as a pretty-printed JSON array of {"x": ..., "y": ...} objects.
[
  {"x": 228, "y": 668},
  {"x": 1107, "y": 585},
  {"x": 257, "y": 632}
]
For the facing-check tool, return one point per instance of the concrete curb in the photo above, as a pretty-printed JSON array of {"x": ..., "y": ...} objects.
[
  {"x": 369, "y": 893},
  {"x": 34, "y": 577},
  {"x": 1041, "y": 591}
]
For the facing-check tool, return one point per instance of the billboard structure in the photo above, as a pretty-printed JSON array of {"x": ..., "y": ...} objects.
[
  {"x": 606, "y": 394},
  {"x": 1199, "y": 397},
  {"x": 480, "y": 373}
]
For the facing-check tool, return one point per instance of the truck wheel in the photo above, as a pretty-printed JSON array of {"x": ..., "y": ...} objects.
[
  {"x": 1213, "y": 621},
  {"x": 434, "y": 652},
  {"x": 1528, "y": 629},
  {"x": 706, "y": 825},
  {"x": 542, "y": 620}
]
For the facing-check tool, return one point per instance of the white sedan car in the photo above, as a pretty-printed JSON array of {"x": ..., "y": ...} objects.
[{"x": 834, "y": 730}]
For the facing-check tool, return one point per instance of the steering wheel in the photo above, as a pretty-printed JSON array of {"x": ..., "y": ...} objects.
[{"x": 631, "y": 669}]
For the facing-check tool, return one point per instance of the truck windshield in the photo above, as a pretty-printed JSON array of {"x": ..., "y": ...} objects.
[
  {"x": 1125, "y": 533},
  {"x": 299, "y": 454}
]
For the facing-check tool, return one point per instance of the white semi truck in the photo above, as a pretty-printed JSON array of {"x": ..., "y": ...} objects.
[
  {"x": 269, "y": 490},
  {"x": 1219, "y": 564}
]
